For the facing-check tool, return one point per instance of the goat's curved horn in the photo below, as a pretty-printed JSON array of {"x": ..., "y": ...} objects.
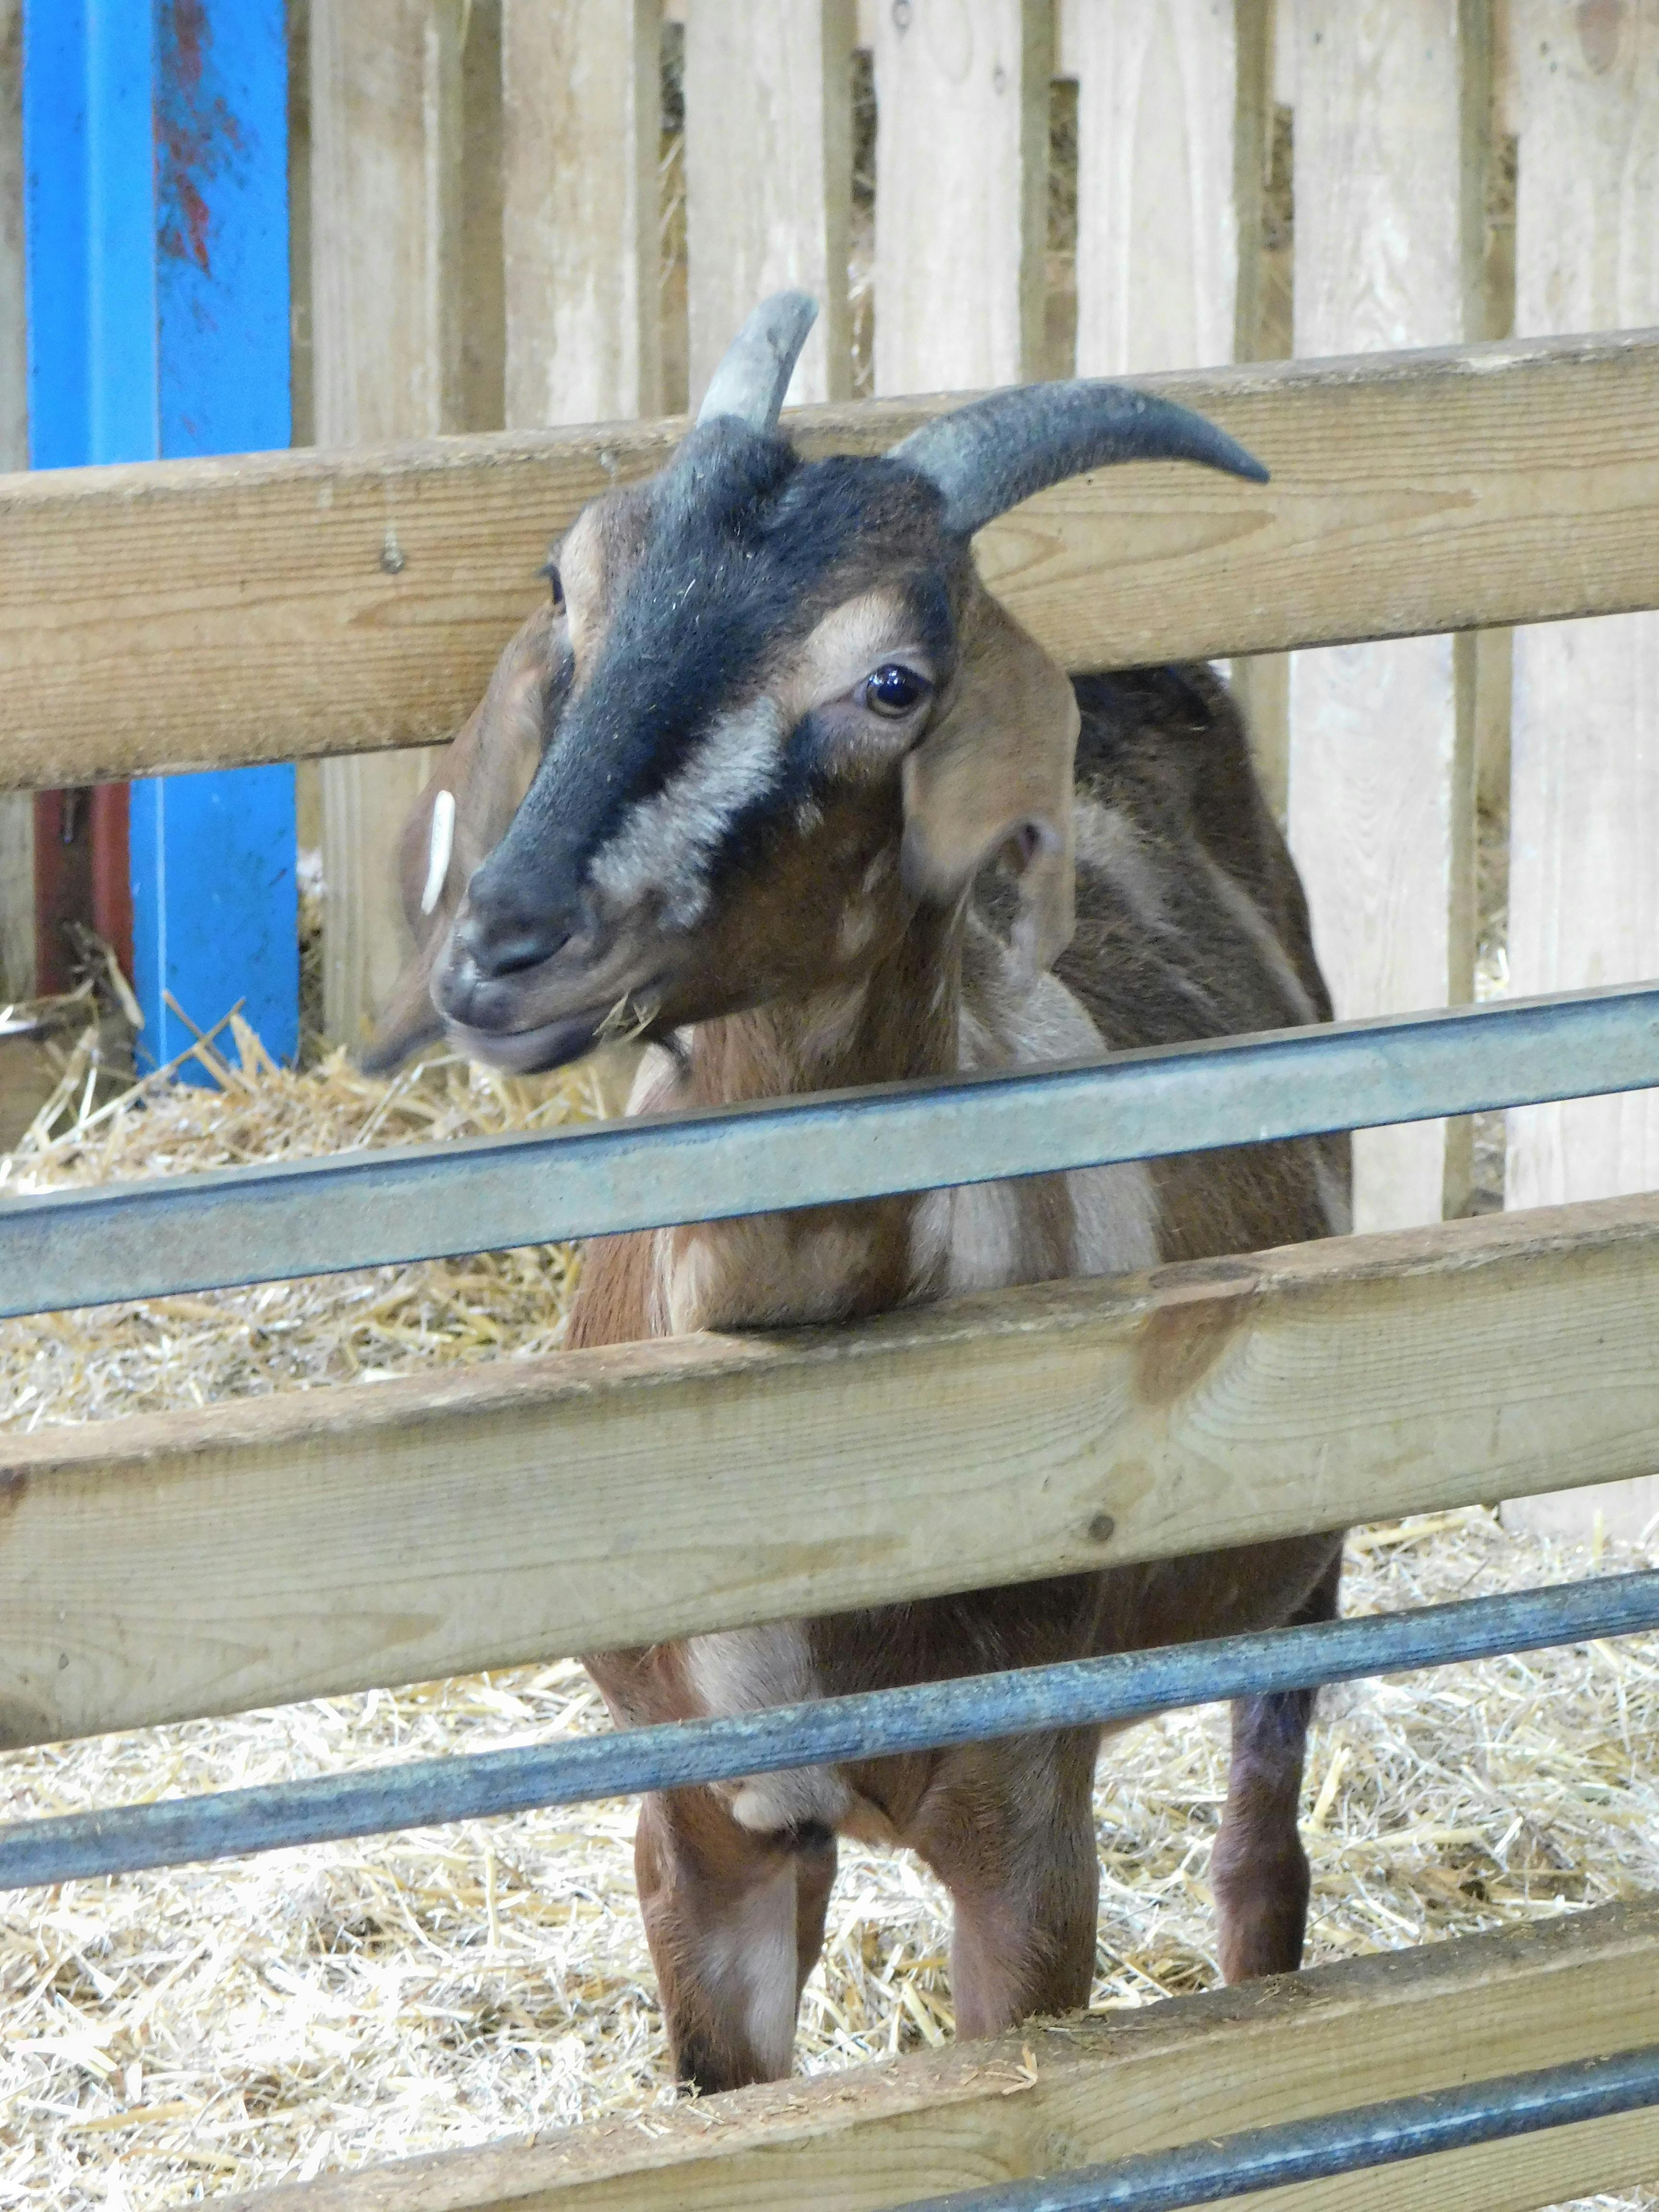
[
  {"x": 989, "y": 456},
  {"x": 754, "y": 374}
]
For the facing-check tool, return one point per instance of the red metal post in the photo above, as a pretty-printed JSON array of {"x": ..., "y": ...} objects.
[{"x": 81, "y": 875}]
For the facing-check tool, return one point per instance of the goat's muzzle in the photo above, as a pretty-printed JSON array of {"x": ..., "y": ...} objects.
[
  {"x": 507, "y": 997},
  {"x": 498, "y": 939}
]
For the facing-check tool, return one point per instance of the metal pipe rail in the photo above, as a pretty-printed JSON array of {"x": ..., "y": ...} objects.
[
  {"x": 1353, "y": 2142},
  {"x": 928, "y": 1715},
  {"x": 311, "y": 1216}
]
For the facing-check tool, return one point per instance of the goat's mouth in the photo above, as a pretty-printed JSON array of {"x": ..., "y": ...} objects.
[
  {"x": 544, "y": 1016},
  {"x": 529, "y": 1051}
]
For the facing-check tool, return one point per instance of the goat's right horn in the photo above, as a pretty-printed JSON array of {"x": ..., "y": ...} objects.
[
  {"x": 755, "y": 371},
  {"x": 993, "y": 452}
]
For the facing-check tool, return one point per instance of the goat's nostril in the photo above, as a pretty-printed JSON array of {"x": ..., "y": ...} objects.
[
  {"x": 526, "y": 948},
  {"x": 504, "y": 945}
]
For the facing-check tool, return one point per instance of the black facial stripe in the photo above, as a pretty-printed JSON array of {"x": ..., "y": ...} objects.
[
  {"x": 748, "y": 549},
  {"x": 797, "y": 780}
]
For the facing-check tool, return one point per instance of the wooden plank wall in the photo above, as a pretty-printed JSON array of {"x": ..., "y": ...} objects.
[
  {"x": 1174, "y": 115},
  {"x": 580, "y": 106},
  {"x": 768, "y": 178},
  {"x": 16, "y": 809},
  {"x": 962, "y": 164},
  {"x": 1174, "y": 110},
  {"x": 385, "y": 210},
  {"x": 1159, "y": 245},
  {"x": 1584, "y": 820},
  {"x": 1262, "y": 331},
  {"x": 1381, "y": 799}
]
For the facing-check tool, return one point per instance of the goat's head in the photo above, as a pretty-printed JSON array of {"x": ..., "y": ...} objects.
[{"x": 781, "y": 715}]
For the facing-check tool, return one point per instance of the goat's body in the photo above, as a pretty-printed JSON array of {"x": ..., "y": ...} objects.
[
  {"x": 803, "y": 805},
  {"x": 1190, "y": 924}
]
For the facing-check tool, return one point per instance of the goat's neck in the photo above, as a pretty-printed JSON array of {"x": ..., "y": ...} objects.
[{"x": 900, "y": 1021}]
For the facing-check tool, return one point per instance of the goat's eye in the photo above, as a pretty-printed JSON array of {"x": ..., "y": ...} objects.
[
  {"x": 893, "y": 690},
  {"x": 555, "y": 585}
]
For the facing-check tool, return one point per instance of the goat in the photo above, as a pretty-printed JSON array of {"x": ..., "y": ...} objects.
[{"x": 820, "y": 813}]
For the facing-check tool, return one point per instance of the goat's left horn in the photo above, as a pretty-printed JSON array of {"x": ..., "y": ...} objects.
[
  {"x": 989, "y": 456},
  {"x": 755, "y": 371}
]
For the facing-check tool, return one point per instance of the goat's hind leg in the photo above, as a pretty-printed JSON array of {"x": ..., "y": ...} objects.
[
  {"x": 735, "y": 1923},
  {"x": 1258, "y": 1869}
]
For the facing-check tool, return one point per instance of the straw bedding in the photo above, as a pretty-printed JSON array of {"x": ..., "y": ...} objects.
[{"x": 186, "y": 2034}]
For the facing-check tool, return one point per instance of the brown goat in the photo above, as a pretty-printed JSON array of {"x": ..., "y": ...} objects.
[{"x": 817, "y": 809}]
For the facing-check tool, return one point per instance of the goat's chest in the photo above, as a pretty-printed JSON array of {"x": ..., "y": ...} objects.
[
  {"x": 1094, "y": 1221},
  {"x": 1043, "y": 1228},
  {"x": 823, "y": 1264},
  {"x": 838, "y": 1263}
]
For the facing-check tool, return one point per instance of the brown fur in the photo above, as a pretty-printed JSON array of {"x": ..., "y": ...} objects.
[
  {"x": 1009, "y": 1827},
  {"x": 898, "y": 926}
]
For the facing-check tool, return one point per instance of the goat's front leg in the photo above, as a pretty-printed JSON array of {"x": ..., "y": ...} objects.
[
  {"x": 1259, "y": 1870},
  {"x": 1009, "y": 1829},
  {"x": 735, "y": 1923}
]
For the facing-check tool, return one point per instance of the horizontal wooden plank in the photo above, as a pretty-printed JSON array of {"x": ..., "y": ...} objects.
[
  {"x": 1045, "y": 2099},
  {"x": 164, "y": 1566},
  {"x": 189, "y": 614}
]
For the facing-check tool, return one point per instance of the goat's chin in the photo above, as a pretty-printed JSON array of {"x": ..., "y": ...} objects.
[{"x": 527, "y": 1052}]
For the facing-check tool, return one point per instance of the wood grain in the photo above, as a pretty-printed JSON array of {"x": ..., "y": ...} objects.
[
  {"x": 188, "y": 614},
  {"x": 1103, "y": 2087},
  {"x": 1381, "y": 791},
  {"x": 1157, "y": 247},
  {"x": 1261, "y": 312},
  {"x": 768, "y": 178},
  {"x": 962, "y": 155},
  {"x": 277, "y": 1548},
  {"x": 1174, "y": 100},
  {"x": 579, "y": 118},
  {"x": 1585, "y": 781},
  {"x": 386, "y": 235}
]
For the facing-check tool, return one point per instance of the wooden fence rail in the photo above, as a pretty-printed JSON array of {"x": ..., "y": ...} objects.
[
  {"x": 195, "y": 614},
  {"x": 1107, "y": 2086},
  {"x": 166, "y": 1566}
]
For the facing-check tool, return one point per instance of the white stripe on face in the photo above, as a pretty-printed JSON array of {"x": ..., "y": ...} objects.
[{"x": 666, "y": 842}]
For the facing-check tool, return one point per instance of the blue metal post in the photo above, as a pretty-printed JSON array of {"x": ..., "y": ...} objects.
[
  {"x": 86, "y": 174},
  {"x": 215, "y": 897},
  {"x": 55, "y": 192},
  {"x": 156, "y": 140}
]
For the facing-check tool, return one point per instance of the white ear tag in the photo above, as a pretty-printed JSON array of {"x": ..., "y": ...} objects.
[{"x": 443, "y": 843}]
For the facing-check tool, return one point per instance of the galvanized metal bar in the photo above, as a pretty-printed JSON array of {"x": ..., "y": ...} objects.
[
  {"x": 259, "y": 1223},
  {"x": 1338, "y": 2142},
  {"x": 926, "y": 1715}
]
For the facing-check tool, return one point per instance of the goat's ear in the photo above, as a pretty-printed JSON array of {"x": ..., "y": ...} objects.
[
  {"x": 994, "y": 774},
  {"x": 485, "y": 771},
  {"x": 462, "y": 814}
]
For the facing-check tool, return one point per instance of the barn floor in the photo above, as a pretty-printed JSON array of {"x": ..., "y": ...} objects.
[{"x": 184, "y": 2034}]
